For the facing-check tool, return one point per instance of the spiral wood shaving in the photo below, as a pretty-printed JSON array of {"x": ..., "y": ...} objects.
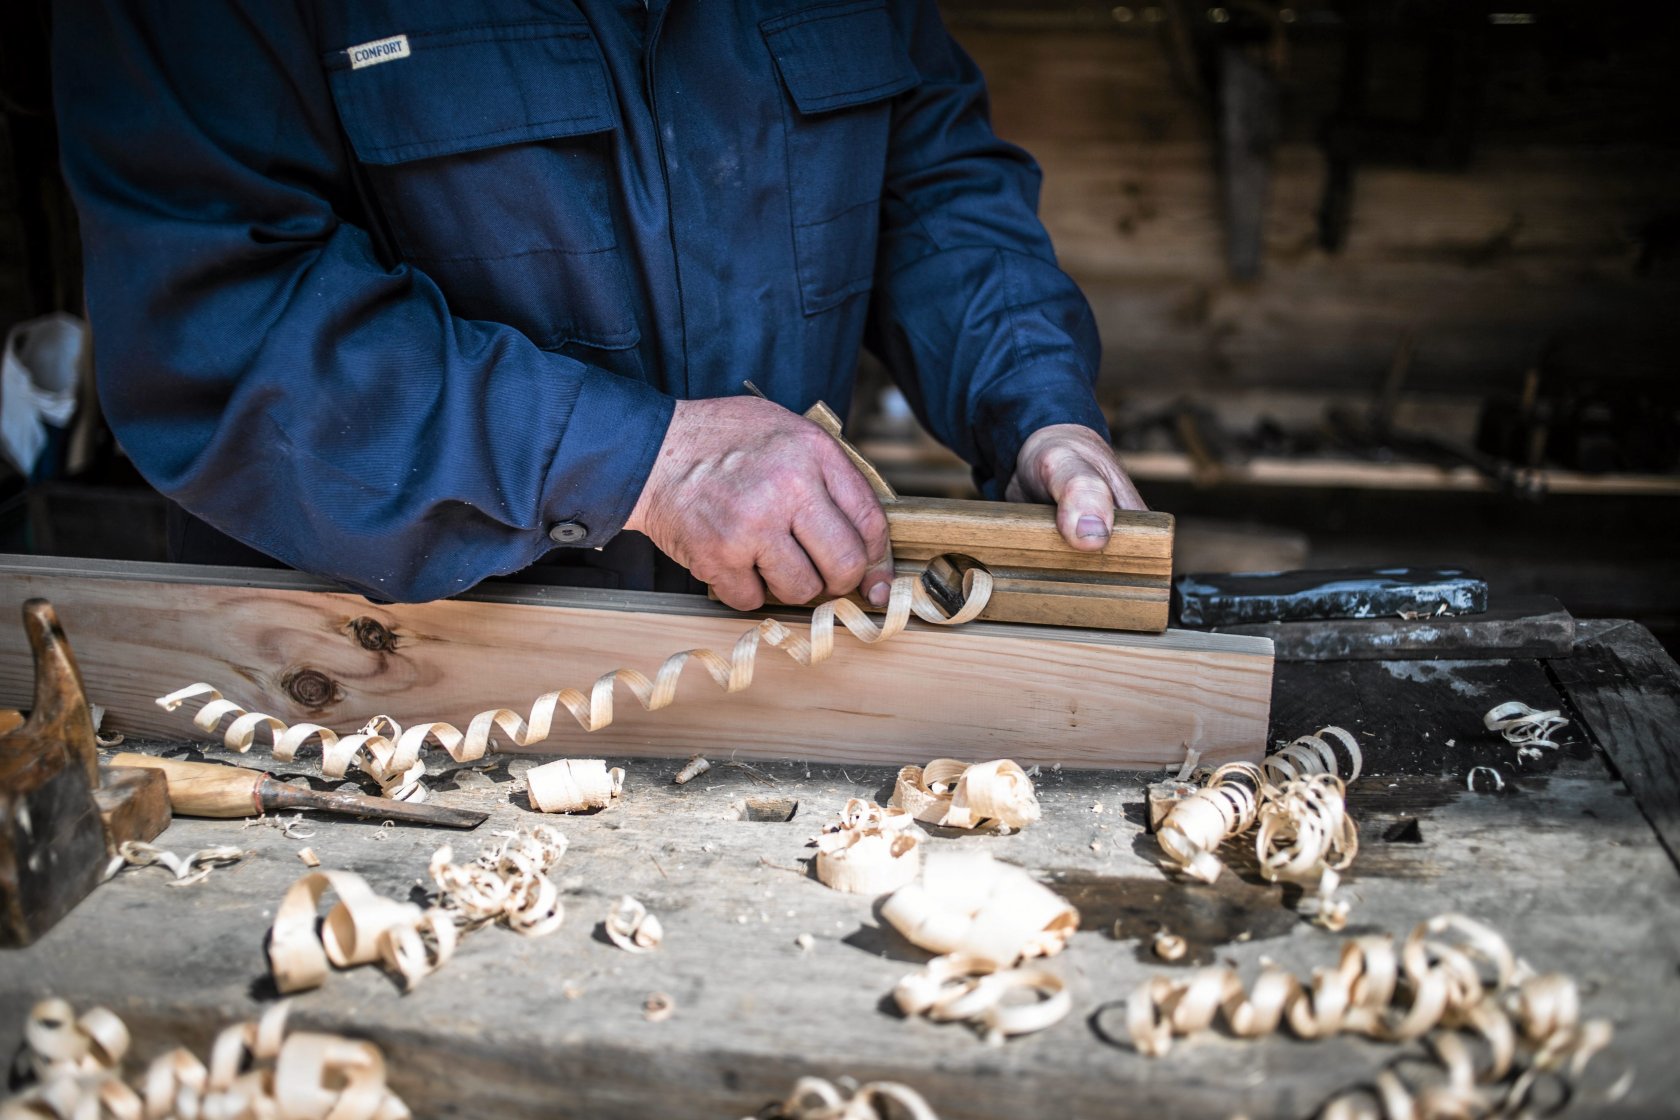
[
  {"x": 1453, "y": 981},
  {"x": 391, "y": 755},
  {"x": 256, "y": 1072},
  {"x": 509, "y": 883},
  {"x": 958, "y": 794},
  {"x": 959, "y": 987},
  {"x": 816, "y": 1099},
  {"x": 1528, "y": 729},
  {"x": 1299, "y": 803}
]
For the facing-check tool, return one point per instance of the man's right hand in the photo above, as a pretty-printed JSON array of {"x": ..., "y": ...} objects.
[{"x": 746, "y": 494}]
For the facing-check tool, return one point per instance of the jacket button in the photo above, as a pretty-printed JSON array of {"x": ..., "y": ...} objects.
[{"x": 568, "y": 532}]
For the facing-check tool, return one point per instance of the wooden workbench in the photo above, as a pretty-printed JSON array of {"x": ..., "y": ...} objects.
[{"x": 1565, "y": 862}]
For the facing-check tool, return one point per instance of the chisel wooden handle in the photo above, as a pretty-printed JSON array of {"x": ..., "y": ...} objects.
[
  {"x": 204, "y": 789},
  {"x": 209, "y": 789}
]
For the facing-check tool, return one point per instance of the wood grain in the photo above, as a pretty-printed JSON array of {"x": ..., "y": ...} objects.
[
  {"x": 1013, "y": 534},
  {"x": 1626, "y": 690},
  {"x": 285, "y": 644}
]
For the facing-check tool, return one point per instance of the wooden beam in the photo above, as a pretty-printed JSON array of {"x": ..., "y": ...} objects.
[
  {"x": 1626, "y": 689},
  {"x": 289, "y": 645}
]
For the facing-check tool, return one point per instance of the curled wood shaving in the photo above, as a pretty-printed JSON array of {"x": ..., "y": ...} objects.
[
  {"x": 1169, "y": 946},
  {"x": 869, "y": 849},
  {"x": 970, "y": 904},
  {"x": 957, "y": 987},
  {"x": 692, "y": 769},
  {"x": 816, "y": 1099},
  {"x": 1495, "y": 776},
  {"x": 392, "y": 755},
  {"x": 189, "y": 869},
  {"x": 256, "y": 1071},
  {"x": 1226, "y": 806},
  {"x": 955, "y": 794},
  {"x": 361, "y": 927},
  {"x": 1297, "y": 798},
  {"x": 573, "y": 785},
  {"x": 1306, "y": 837},
  {"x": 1452, "y": 976},
  {"x": 631, "y": 927},
  {"x": 1524, "y": 727}
]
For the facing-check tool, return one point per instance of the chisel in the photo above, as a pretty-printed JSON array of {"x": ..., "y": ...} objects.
[{"x": 207, "y": 789}]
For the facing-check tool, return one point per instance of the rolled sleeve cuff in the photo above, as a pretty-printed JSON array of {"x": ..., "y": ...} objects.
[
  {"x": 612, "y": 439},
  {"x": 1030, "y": 399}
]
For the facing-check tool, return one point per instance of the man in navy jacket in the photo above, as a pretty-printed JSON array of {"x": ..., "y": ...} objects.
[{"x": 408, "y": 292}]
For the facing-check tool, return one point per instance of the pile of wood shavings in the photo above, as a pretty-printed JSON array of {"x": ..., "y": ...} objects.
[
  {"x": 1298, "y": 800},
  {"x": 391, "y": 755},
  {"x": 956, "y": 794},
  {"x": 869, "y": 849},
  {"x": 256, "y": 1070},
  {"x": 982, "y": 917},
  {"x": 1452, "y": 981},
  {"x": 508, "y": 883}
]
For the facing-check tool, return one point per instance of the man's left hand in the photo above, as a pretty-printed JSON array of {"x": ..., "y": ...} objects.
[{"x": 1074, "y": 467}]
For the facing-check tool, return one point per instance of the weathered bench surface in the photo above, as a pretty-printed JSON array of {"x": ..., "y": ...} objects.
[{"x": 1564, "y": 862}]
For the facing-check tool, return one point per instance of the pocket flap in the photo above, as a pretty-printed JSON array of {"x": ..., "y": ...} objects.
[
  {"x": 441, "y": 93},
  {"x": 839, "y": 55}
]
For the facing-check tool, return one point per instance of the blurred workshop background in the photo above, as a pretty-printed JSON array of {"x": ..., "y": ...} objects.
[{"x": 1378, "y": 282}]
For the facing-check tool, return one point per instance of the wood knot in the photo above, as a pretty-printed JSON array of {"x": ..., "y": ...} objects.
[
  {"x": 371, "y": 634},
  {"x": 311, "y": 688}
]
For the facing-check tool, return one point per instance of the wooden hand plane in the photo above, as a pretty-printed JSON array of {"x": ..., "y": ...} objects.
[{"x": 1036, "y": 576}]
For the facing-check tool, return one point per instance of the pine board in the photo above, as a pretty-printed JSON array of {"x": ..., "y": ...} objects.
[{"x": 284, "y": 644}]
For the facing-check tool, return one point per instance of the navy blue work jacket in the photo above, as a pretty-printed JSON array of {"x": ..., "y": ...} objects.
[{"x": 402, "y": 292}]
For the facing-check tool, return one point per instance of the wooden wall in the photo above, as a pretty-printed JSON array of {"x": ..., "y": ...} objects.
[{"x": 1549, "y": 246}]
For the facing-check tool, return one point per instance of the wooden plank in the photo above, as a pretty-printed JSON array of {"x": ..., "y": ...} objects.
[
  {"x": 1522, "y": 626},
  {"x": 1626, "y": 689},
  {"x": 283, "y": 643}
]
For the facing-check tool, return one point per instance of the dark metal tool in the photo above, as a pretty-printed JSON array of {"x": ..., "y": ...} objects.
[
  {"x": 208, "y": 789},
  {"x": 62, "y": 815}
]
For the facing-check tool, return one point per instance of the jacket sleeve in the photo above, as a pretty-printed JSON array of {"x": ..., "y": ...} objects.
[
  {"x": 988, "y": 338},
  {"x": 263, "y": 368}
]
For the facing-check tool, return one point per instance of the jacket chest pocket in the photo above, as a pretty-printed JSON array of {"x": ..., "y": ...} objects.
[
  {"x": 841, "y": 65},
  {"x": 489, "y": 151}
]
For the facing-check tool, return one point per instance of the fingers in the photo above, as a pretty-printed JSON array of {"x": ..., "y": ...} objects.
[
  {"x": 739, "y": 588},
  {"x": 854, "y": 500},
  {"x": 789, "y": 573},
  {"x": 1075, "y": 468}
]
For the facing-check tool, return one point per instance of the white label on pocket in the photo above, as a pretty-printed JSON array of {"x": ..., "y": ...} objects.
[{"x": 380, "y": 50}]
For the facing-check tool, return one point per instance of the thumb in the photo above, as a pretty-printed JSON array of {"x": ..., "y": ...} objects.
[{"x": 1084, "y": 508}]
